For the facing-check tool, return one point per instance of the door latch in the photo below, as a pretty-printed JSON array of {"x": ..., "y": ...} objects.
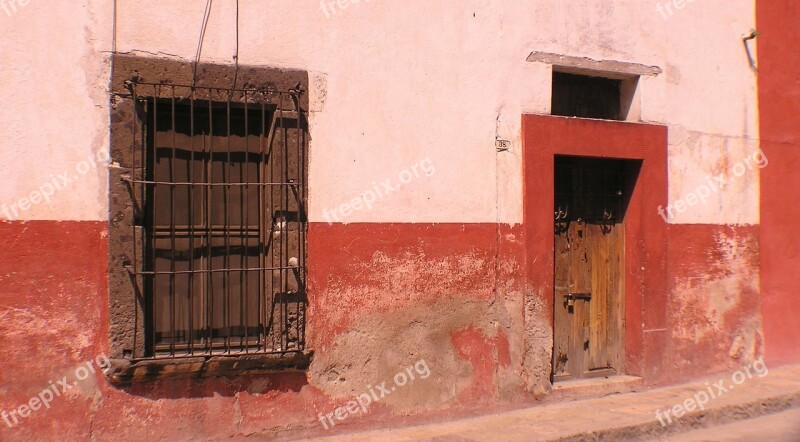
[{"x": 572, "y": 297}]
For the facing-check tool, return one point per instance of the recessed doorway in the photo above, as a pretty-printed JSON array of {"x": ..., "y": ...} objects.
[{"x": 591, "y": 199}]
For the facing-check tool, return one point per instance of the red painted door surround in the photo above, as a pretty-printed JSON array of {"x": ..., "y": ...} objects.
[{"x": 544, "y": 138}]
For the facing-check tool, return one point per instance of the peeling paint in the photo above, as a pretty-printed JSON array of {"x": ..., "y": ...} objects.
[{"x": 714, "y": 305}]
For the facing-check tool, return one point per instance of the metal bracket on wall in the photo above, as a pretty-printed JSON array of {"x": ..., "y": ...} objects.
[{"x": 746, "y": 40}]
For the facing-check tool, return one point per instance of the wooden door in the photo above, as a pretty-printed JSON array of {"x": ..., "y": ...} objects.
[{"x": 588, "y": 259}]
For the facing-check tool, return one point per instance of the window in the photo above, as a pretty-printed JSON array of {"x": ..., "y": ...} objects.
[
  {"x": 215, "y": 242},
  {"x": 588, "y": 88},
  {"x": 586, "y": 96}
]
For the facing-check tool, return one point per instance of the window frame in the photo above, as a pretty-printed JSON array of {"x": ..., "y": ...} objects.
[{"x": 127, "y": 311}]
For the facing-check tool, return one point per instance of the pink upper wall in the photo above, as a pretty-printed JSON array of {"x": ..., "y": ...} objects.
[{"x": 394, "y": 83}]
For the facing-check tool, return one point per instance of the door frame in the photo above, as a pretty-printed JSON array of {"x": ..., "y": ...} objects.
[{"x": 544, "y": 137}]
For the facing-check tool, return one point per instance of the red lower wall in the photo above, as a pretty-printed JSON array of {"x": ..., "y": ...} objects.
[
  {"x": 779, "y": 98},
  {"x": 385, "y": 294},
  {"x": 381, "y": 297},
  {"x": 714, "y": 306},
  {"x": 53, "y": 320},
  {"x": 364, "y": 269},
  {"x": 53, "y": 310}
]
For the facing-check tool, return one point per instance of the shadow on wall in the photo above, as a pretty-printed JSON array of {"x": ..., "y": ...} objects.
[{"x": 194, "y": 388}]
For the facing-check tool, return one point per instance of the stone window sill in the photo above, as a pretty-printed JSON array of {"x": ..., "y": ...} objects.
[{"x": 126, "y": 371}]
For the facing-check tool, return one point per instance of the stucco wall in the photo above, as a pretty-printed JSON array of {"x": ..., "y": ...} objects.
[
  {"x": 779, "y": 89},
  {"x": 53, "y": 83},
  {"x": 393, "y": 84},
  {"x": 396, "y": 83}
]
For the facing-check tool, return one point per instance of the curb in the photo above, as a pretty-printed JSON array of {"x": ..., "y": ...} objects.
[{"x": 707, "y": 418}]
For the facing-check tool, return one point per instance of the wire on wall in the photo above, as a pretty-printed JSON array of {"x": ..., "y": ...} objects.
[
  {"x": 206, "y": 15},
  {"x": 236, "y": 56},
  {"x": 113, "y": 36}
]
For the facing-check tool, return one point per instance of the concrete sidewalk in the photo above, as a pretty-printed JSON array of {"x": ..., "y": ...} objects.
[{"x": 630, "y": 416}]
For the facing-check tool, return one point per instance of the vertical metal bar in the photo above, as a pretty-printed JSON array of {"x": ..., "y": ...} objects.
[
  {"x": 284, "y": 238},
  {"x": 262, "y": 280},
  {"x": 227, "y": 199},
  {"x": 299, "y": 274},
  {"x": 133, "y": 221},
  {"x": 245, "y": 224},
  {"x": 273, "y": 226},
  {"x": 152, "y": 226},
  {"x": 269, "y": 245},
  {"x": 270, "y": 321},
  {"x": 172, "y": 291},
  {"x": 209, "y": 225},
  {"x": 304, "y": 227},
  {"x": 190, "y": 197}
]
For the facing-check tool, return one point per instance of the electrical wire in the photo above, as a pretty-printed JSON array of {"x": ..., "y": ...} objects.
[
  {"x": 113, "y": 42},
  {"x": 236, "y": 57},
  {"x": 206, "y": 15}
]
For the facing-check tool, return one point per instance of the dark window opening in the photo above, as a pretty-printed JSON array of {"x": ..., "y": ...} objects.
[
  {"x": 222, "y": 222},
  {"x": 586, "y": 97},
  {"x": 594, "y": 190}
]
